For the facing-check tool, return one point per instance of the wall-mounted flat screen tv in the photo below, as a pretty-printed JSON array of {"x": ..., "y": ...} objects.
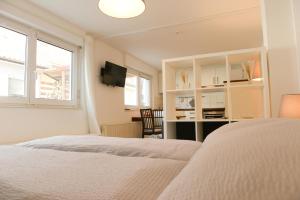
[{"x": 113, "y": 74}]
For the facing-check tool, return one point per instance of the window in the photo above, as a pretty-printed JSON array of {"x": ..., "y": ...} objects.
[
  {"x": 12, "y": 63},
  {"x": 137, "y": 92},
  {"x": 53, "y": 72},
  {"x": 36, "y": 68},
  {"x": 145, "y": 91},
  {"x": 131, "y": 90}
]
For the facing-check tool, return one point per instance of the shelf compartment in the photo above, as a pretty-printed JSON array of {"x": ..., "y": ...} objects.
[
  {"x": 245, "y": 97},
  {"x": 204, "y": 128},
  {"x": 183, "y": 130},
  {"x": 244, "y": 119},
  {"x": 182, "y": 120},
  {"x": 180, "y": 73},
  {"x": 181, "y": 91},
  {"x": 214, "y": 120},
  {"x": 245, "y": 66},
  {"x": 211, "y": 71},
  {"x": 247, "y": 102},
  {"x": 209, "y": 127},
  {"x": 249, "y": 85},
  {"x": 180, "y": 107},
  {"x": 212, "y": 89},
  {"x": 213, "y": 103},
  {"x": 186, "y": 131}
]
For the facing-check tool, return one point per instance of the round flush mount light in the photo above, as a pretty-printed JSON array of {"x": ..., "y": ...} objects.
[{"x": 122, "y": 8}]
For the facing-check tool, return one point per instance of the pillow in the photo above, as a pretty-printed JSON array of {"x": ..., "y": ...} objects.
[{"x": 257, "y": 160}]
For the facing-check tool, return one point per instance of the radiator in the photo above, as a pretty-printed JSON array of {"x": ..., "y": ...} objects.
[{"x": 127, "y": 130}]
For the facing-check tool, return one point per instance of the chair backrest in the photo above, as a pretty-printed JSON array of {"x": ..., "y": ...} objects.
[
  {"x": 158, "y": 118},
  {"x": 147, "y": 118}
]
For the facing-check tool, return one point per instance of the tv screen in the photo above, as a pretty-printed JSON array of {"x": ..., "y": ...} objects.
[{"x": 113, "y": 74}]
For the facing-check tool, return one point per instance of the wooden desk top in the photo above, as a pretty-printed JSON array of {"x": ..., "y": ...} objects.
[{"x": 136, "y": 119}]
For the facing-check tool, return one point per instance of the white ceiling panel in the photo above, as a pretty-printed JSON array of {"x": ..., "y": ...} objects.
[{"x": 168, "y": 28}]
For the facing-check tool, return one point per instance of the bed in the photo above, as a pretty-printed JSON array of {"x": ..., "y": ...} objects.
[
  {"x": 134, "y": 147},
  {"x": 43, "y": 174},
  {"x": 252, "y": 160}
]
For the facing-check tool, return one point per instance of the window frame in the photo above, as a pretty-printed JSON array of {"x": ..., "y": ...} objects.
[
  {"x": 29, "y": 99},
  {"x": 139, "y": 76},
  {"x": 10, "y": 100},
  {"x": 132, "y": 107},
  {"x": 149, "y": 78},
  {"x": 74, "y": 75}
]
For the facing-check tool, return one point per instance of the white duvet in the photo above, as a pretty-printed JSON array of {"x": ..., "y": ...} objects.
[
  {"x": 133, "y": 147},
  {"x": 255, "y": 160},
  {"x": 42, "y": 174}
]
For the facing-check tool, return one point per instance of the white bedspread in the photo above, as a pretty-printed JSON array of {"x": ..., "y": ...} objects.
[
  {"x": 42, "y": 174},
  {"x": 133, "y": 147},
  {"x": 255, "y": 160}
]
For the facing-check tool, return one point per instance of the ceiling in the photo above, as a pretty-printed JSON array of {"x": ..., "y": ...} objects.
[{"x": 169, "y": 28}]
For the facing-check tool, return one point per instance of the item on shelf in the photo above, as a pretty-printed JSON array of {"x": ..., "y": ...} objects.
[
  {"x": 185, "y": 102},
  {"x": 186, "y": 114},
  {"x": 213, "y": 100},
  {"x": 190, "y": 114},
  {"x": 256, "y": 72},
  {"x": 184, "y": 79},
  {"x": 214, "y": 113},
  {"x": 207, "y": 86},
  {"x": 245, "y": 82},
  {"x": 240, "y": 81},
  {"x": 249, "y": 70},
  {"x": 185, "y": 117},
  {"x": 239, "y": 71},
  {"x": 213, "y": 75},
  {"x": 185, "y": 109},
  {"x": 180, "y": 116}
]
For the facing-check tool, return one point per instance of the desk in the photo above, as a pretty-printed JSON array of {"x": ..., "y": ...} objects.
[{"x": 136, "y": 119}]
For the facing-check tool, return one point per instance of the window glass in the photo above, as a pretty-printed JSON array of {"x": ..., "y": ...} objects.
[
  {"x": 12, "y": 62},
  {"x": 145, "y": 91},
  {"x": 131, "y": 90},
  {"x": 53, "y": 72},
  {"x": 33, "y": 71},
  {"x": 137, "y": 92}
]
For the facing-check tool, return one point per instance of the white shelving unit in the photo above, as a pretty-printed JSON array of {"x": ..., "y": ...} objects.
[{"x": 235, "y": 81}]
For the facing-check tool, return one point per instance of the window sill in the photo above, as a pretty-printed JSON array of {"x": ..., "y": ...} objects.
[
  {"x": 135, "y": 108},
  {"x": 131, "y": 109},
  {"x": 38, "y": 106}
]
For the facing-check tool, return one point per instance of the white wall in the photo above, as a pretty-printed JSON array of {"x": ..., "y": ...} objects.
[
  {"x": 279, "y": 38},
  {"x": 25, "y": 123},
  {"x": 110, "y": 100},
  {"x": 296, "y": 4},
  {"x": 20, "y": 124}
]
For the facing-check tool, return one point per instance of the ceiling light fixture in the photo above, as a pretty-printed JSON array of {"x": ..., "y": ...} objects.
[{"x": 122, "y": 8}]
